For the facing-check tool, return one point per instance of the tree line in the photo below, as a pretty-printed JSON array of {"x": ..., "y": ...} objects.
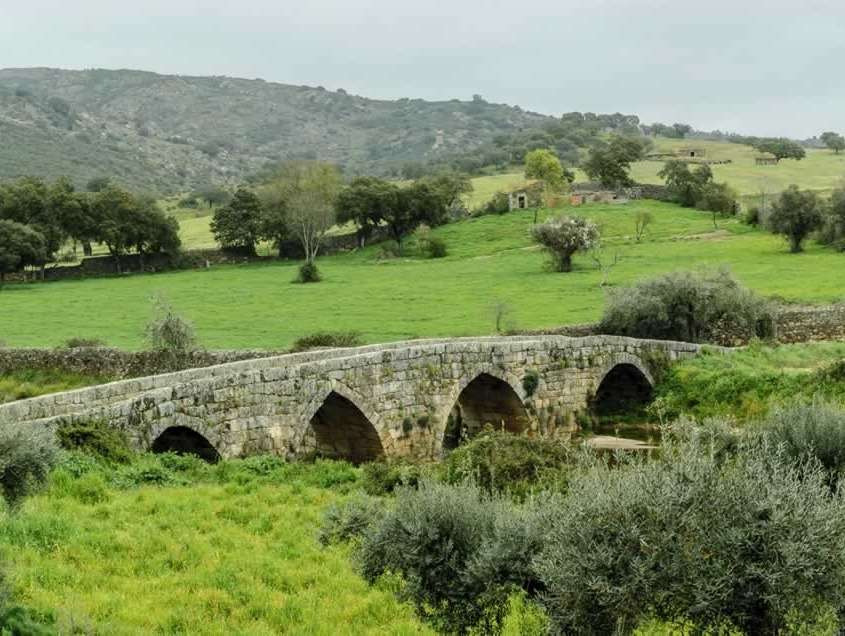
[
  {"x": 38, "y": 219},
  {"x": 303, "y": 200}
]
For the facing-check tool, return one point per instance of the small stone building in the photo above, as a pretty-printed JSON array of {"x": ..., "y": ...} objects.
[
  {"x": 525, "y": 197},
  {"x": 766, "y": 160},
  {"x": 691, "y": 153}
]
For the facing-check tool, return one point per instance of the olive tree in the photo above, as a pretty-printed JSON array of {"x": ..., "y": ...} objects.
[
  {"x": 564, "y": 236},
  {"x": 796, "y": 214}
]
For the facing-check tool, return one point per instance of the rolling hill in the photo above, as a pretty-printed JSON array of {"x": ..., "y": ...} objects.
[{"x": 167, "y": 133}]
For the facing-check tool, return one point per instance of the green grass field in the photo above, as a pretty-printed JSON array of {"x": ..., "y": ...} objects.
[{"x": 491, "y": 260}]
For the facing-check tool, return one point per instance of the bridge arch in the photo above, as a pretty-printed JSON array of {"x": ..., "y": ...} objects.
[
  {"x": 184, "y": 440},
  {"x": 624, "y": 384},
  {"x": 339, "y": 425},
  {"x": 485, "y": 397}
]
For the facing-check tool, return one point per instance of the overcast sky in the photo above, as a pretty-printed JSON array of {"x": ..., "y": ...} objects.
[{"x": 755, "y": 66}]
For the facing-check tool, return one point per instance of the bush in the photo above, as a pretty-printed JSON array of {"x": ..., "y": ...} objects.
[
  {"x": 461, "y": 553},
  {"x": 327, "y": 339},
  {"x": 718, "y": 198},
  {"x": 26, "y": 457},
  {"x": 687, "y": 306},
  {"x": 350, "y": 520},
  {"x": 499, "y": 203},
  {"x": 96, "y": 438},
  {"x": 563, "y": 236},
  {"x": 743, "y": 542},
  {"x": 81, "y": 343},
  {"x": 501, "y": 462},
  {"x": 169, "y": 333},
  {"x": 435, "y": 247},
  {"x": 308, "y": 273},
  {"x": 753, "y": 216},
  {"x": 383, "y": 477},
  {"x": 811, "y": 431}
]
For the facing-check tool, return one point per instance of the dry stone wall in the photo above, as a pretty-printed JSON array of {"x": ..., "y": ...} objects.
[{"x": 404, "y": 391}]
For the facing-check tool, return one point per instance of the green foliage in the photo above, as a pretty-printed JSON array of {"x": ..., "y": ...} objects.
[
  {"x": 811, "y": 431},
  {"x": 834, "y": 141},
  {"x": 543, "y": 164},
  {"x": 20, "y": 246},
  {"x": 501, "y": 462},
  {"x": 694, "y": 307},
  {"x": 384, "y": 477},
  {"x": 609, "y": 163},
  {"x": 796, "y": 214},
  {"x": 327, "y": 340},
  {"x": 308, "y": 272},
  {"x": 833, "y": 228},
  {"x": 686, "y": 185},
  {"x": 168, "y": 332},
  {"x": 350, "y": 520},
  {"x": 236, "y": 225},
  {"x": 745, "y": 383},
  {"x": 435, "y": 247},
  {"x": 26, "y": 458},
  {"x": 499, "y": 203},
  {"x": 564, "y": 236},
  {"x": 26, "y": 383},
  {"x": 780, "y": 147},
  {"x": 747, "y": 542},
  {"x": 460, "y": 553},
  {"x": 530, "y": 382},
  {"x": 97, "y": 438}
]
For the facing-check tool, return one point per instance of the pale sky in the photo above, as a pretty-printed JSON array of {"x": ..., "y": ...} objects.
[{"x": 767, "y": 67}]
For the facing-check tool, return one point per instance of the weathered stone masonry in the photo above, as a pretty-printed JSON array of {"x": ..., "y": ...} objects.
[{"x": 395, "y": 400}]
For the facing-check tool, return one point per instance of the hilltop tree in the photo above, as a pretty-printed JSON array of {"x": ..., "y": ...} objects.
[
  {"x": 781, "y": 148},
  {"x": 796, "y": 214},
  {"x": 834, "y": 141},
  {"x": 236, "y": 225},
  {"x": 20, "y": 246},
  {"x": 564, "y": 236},
  {"x": 609, "y": 162}
]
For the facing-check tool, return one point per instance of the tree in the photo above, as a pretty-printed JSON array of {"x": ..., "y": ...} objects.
[
  {"x": 366, "y": 202},
  {"x": 236, "y": 225},
  {"x": 641, "y": 222},
  {"x": 685, "y": 185},
  {"x": 73, "y": 211},
  {"x": 834, "y": 141},
  {"x": 609, "y": 162},
  {"x": 564, "y": 236},
  {"x": 450, "y": 187},
  {"x": 544, "y": 165},
  {"x": 796, "y": 214},
  {"x": 681, "y": 130},
  {"x": 833, "y": 232},
  {"x": 214, "y": 196},
  {"x": 781, "y": 148},
  {"x": 719, "y": 199},
  {"x": 273, "y": 225},
  {"x": 26, "y": 201},
  {"x": 416, "y": 204},
  {"x": 309, "y": 190},
  {"x": 115, "y": 208},
  {"x": 20, "y": 246}
]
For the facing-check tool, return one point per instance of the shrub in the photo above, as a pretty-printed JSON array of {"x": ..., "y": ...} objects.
[
  {"x": 327, "y": 339},
  {"x": 796, "y": 214},
  {"x": 501, "y": 462},
  {"x": 807, "y": 431},
  {"x": 718, "y": 198},
  {"x": 168, "y": 332},
  {"x": 435, "y": 247},
  {"x": 563, "y": 236},
  {"x": 383, "y": 477},
  {"x": 499, "y": 203},
  {"x": 460, "y": 553},
  {"x": 81, "y": 343},
  {"x": 26, "y": 458},
  {"x": 833, "y": 229},
  {"x": 743, "y": 542},
  {"x": 308, "y": 273},
  {"x": 96, "y": 438},
  {"x": 686, "y": 306},
  {"x": 349, "y": 520}
]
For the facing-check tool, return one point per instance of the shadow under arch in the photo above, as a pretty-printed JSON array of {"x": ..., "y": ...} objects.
[
  {"x": 624, "y": 389},
  {"x": 485, "y": 401},
  {"x": 185, "y": 441},
  {"x": 342, "y": 431}
]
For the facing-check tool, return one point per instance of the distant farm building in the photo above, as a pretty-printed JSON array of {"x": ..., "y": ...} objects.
[
  {"x": 691, "y": 153},
  {"x": 766, "y": 160},
  {"x": 584, "y": 193},
  {"x": 525, "y": 197}
]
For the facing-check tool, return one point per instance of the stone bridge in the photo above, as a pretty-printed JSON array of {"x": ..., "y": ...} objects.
[{"x": 413, "y": 399}]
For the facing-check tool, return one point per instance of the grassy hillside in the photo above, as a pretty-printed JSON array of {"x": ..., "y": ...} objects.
[
  {"x": 173, "y": 133},
  {"x": 821, "y": 170},
  {"x": 491, "y": 261}
]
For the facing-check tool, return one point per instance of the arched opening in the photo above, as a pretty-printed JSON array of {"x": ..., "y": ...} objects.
[
  {"x": 623, "y": 391},
  {"x": 342, "y": 431},
  {"x": 486, "y": 401},
  {"x": 184, "y": 441}
]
